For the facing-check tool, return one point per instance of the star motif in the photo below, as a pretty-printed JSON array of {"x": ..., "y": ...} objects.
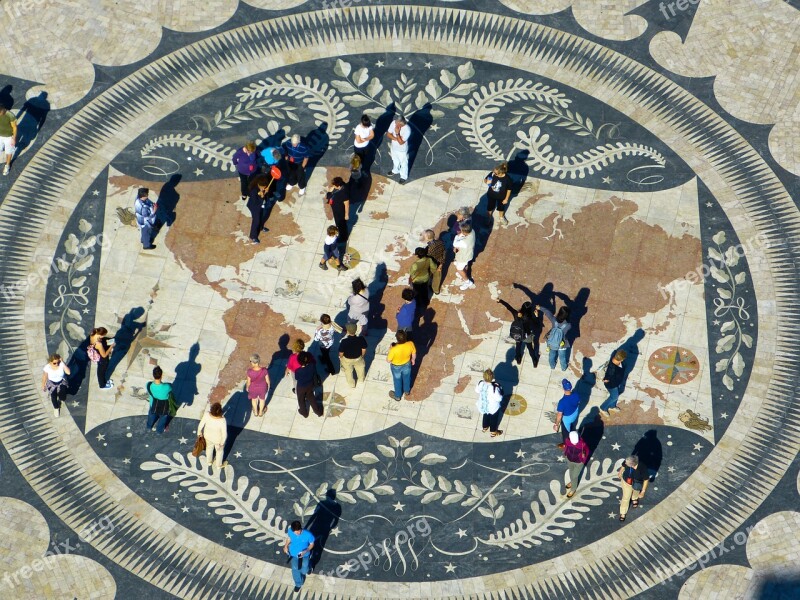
[
  {"x": 95, "y": 192},
  {"x": 671, "y": 469},
  {"x": 398, "y": 506},
  {"x": 520, "y": 453},
  {"x": 560, "y": 459},
  {"x": 434, "y": 127},
  {"x": 174, "y": 495},
  {"x": 336, "y": 531},
  {"x": 346, "y": 566},
  {"x": 183, "y": 440},
  {"x": 101, "y": 437},
  {"x": 126, "y": 461},
  {"x": 280, "y": 488},
  {"x": 612, "y": 515},
  {"x": 428, "y": 65},
  {"x": 228, "y": 535},
  {"x": 461, "y": 533},
  {"x": 237, "y": 454},
  {"x": 86, "y": 311},
  {"x": 709, "y": 204},
  {"x": 143, "y": 341},
  {"x": 615, "y": 447},
  {"x": 716, "y": 321},
  {"x": 198, "y": 172},
  {"x": 567, "y": 540},
  {"x": 278, "y": 451},
  {"x": 723, "y": 416},
  {"x": 698, "y": 447},
  {"x": 517, "y": 491},
  {"x": 379, "y": 63},
  {"x": 607, "y": 180},
  {"x": 185, "y": 509},
  {"x": 450, "y": 568},
  {"x": 75, "y": 403}
]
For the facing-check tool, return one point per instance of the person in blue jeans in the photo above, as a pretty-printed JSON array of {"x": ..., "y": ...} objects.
[
  {"x": 615, "y": 374},
  {"x": 298, "y": 545},
  {"x": 160, "y": 394},
  {"x": 401, "y": 357},
  {"x": 566, "y": 411},
  {"x": 557, "y": 342}
]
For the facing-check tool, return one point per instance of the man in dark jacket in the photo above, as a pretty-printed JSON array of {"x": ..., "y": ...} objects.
[
  {"x": 530, "y": 317},
  {"x": 615, "y": 374}
]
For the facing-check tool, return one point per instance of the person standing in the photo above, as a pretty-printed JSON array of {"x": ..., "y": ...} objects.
[
  {"x": 339, "y": 202},
  {"x": 99, "y": 352},
  {"x": 245, "y": 160},
  {"x": 615, "y": 373},
  {"x": 557, "y": 342},
  {"x": 407, "y": 312},
  {"x": 567, "y": 411},
  {"x": 214, "y": 429},
  {"x": 296, "y": 161},
  {"x": 8, "y": 137},
  {"x": 437, "y": 252},
  {"x": 54, "y": 381},
  {"x": 499, "y": 192},
  {"x": 257, "y": 195},
  {"x": 526, "y": 329},
  {"x": 258, "y": 385},
  {"x": 464, "y": 247},
  {"x": 324, "y": 337},
  {"x": 159, "y": 393},
  {"x": 351, "y": 355},
  {"x": 399, "y": 134},
  {"x": 330, "y": 250},
  {"x": 419, "y": 277},
  {"x": 292, "y": 364},
  {"x": 402, "y": 356},
  {"x": 298, "y": 545},
  {"x": 576, "y": 451},
  {"x": 364, "y": 133},
  {"x": 463, "y": 216},
  {"x": 358, "y": 305},
  {"x": 145, "y": 217},
  {"x": 490, "y": 398},
  {"x": 305, "y": 377},
  {"x": 634, "y": 477}
]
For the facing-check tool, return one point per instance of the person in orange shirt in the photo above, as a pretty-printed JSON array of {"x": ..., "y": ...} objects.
[{"x": 402, "y": 356}]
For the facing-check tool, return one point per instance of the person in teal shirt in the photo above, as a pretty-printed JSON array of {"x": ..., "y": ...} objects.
[
  {"x": 161, "y": 402},
  {"x": 298, "y": 546}
]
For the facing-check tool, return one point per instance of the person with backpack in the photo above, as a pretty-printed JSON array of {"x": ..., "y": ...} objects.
[
  {"x": 634, "y": 477},
  {"x": 160, "y": 399},
  {"x": 99, "y": 352},
  {"x": 490, "y": 398},
  {"x": 557, "y": 342},
  {"x": 145, "y": 217},
  {"x": 576, "y": 451},
  {"x": 526, "y": 329},
  {"x": 567, "y": 411}
]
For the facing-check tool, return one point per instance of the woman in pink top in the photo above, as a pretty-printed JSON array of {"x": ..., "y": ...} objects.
[
  {"x": 293, "y": 364},
  {"x": 257, "y": 385}
]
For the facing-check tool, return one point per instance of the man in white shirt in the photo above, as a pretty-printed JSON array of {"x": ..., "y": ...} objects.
[
  {"x": 398, "y": 134},
  {"x": 464, "y": 247}
]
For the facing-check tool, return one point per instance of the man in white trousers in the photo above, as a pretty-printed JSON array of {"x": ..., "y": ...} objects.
[{"x": 398, "y": 134}]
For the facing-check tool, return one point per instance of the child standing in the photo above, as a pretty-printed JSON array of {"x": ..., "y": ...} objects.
[
  {"x": 331, "y": 250},
  {"x": 324, "y": 336},
  {"x": 406, "y": 312}
]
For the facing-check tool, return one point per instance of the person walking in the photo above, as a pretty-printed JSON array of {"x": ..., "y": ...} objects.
[
  {"x": 437, "y": 252},
  {"x": 296, "y": 155},
  {"x": 330, "y": 250},
  {"x": 402, "y": 356},
  {"x": 557, "y": 342},
  {"x": 160, "y": 393},
  {"x": 324, "y": 337},
  {"x": 576, "y": 451},
  {"x": 351, "y": 355},
  {"x": 567, "y": 411},
  {"x": 292, "y": 364},
  {"x": 407, "y": 312},
  {"x": 306, "y": 375},
  {"x": 298, "y": 545},
  {"x": 358, "y": 305},
  {"x": 419, "y": 277},
  {"x": 634, "y": 477},
  {"x": 364, "y": 133},
  {"x": 8, "y": 137},
  {"x": 145, "y": 217},
  {"x": 399, "y": 133},
  {"x": 54, "y": 381},
  {"x": 214, "y": 429},
  {"x": 257, "y": 386},
  {"x": 526, "y": 329},
  {"x": 257, "y": 196},
  {"x": 245, "y": 160},
  {"x": 490, "y": 398},
  {"x": 615, "y": 374},
  {"x": 499, "y": 192},
  {"x": 339, "y": 202},
  {"x": 464, "y": 247},
  {"x": 99, "y": 352}
]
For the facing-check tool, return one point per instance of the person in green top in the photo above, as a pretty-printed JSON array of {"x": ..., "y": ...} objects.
[
  {"x": 419, "y": 277},
  {"x": 162, "y": 402},
  {"x": 8, "y": 136}
]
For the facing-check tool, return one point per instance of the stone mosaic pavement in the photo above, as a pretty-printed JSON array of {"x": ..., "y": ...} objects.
[{"x": 654, "y": 158}]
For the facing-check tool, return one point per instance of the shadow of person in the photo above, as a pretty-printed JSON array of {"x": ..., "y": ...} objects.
[
  {"x": 6, "y": 99},
  {"x": 631, "y": 348},
  {"x": 325, "y": 518},
  {"x": 30, "y": 120},
  {"x": 591, "y": 429},
  {"x": 237, "y": 411},
  {"x": 543, "y": 298},
  {"x": 650, "y": 452},
  {"x": 378, "y": 324},
  {"x": 317, "y": 141},
  {"x": 419, "y": 122},
  {"x": 168, "y": 198},
  {"x": 518, "y": 171},
  {"x": 585, "y": 385},
  {"x": 507, "y": 375},
  {"x": 577, "y": 310},
  {"x": 277, "y": 365},
  {"x": 186, "y": 373},
  {"x": 124, "y": 337},
  {"x": 78, "y": 365},
  {"x": 424, "y": 338}
]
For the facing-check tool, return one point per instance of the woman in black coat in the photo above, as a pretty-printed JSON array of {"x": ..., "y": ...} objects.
[{"x": 259, "y": 191}]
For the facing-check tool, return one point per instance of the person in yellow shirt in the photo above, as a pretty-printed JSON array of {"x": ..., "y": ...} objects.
[{"x": 402, "y": 356}]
